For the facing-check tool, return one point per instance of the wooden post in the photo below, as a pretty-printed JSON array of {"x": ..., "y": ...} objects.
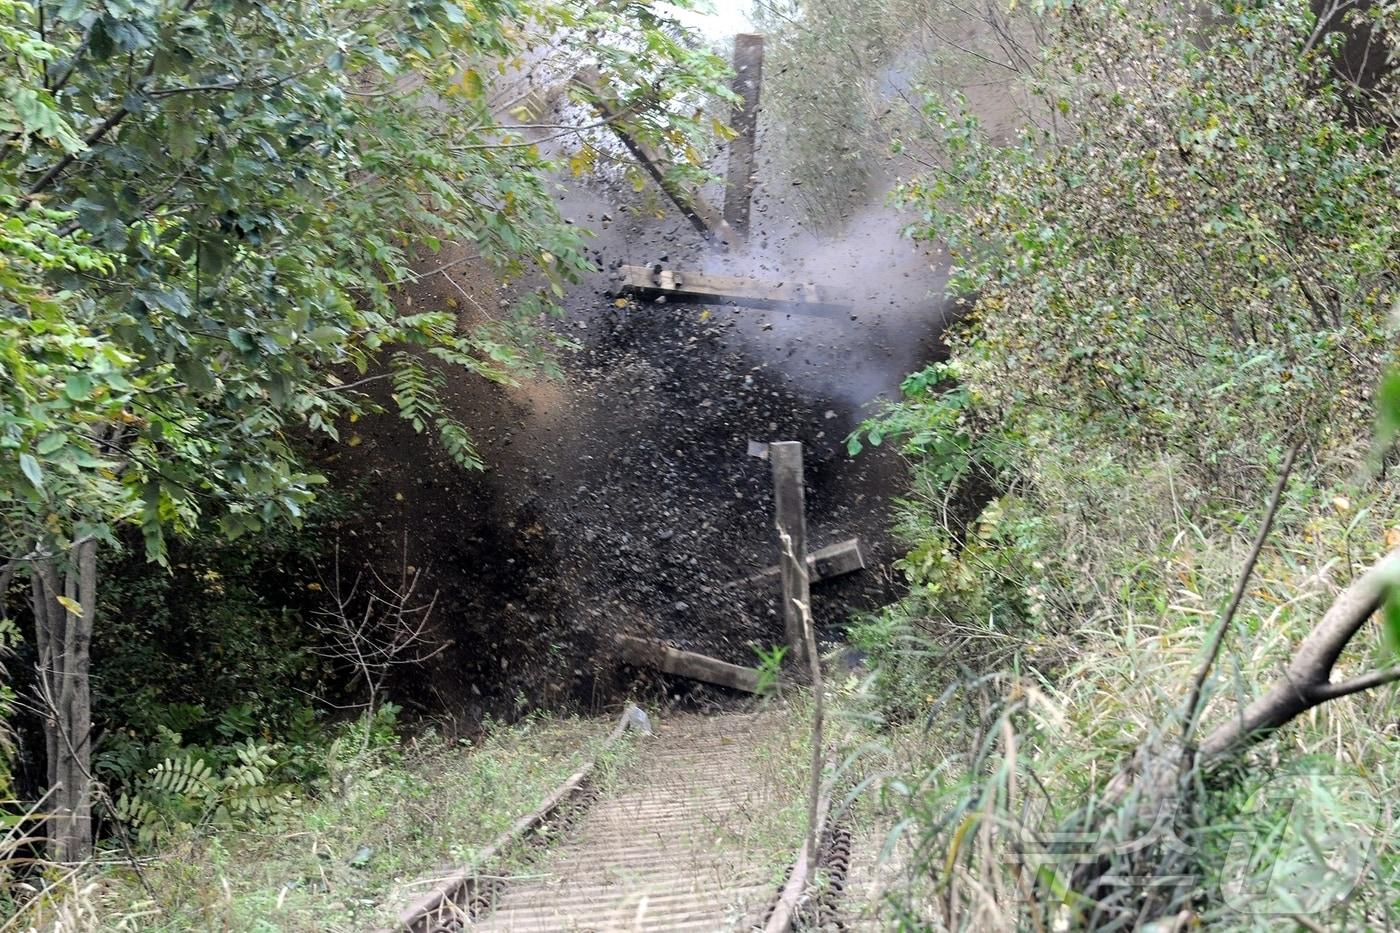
[
  {"x": 790, "y": 500},
  {"x": 748, "y": 78}
]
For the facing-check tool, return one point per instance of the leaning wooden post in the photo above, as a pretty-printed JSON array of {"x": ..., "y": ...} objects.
[
  {"x": 748, "y": 78},
  {"x": 790, "y": 499}
]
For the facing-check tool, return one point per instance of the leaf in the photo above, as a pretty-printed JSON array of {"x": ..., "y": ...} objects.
[
  {"x": 78, "y": 387},
  {"x": 71, "y": 605},
  {"x": 1388, "y": 403},
  {"x": 50, "y": 443},
  {"x": 1390, "y": 619},
  {"x": 36, "y": 116},
  {"x": 31, "y": 469}
]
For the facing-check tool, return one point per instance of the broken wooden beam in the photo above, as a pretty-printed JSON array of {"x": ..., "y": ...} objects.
[
  {"x": 701, "y": 215},
  {"x": 790, "y": 513},
  {"x": 834, "y": 560},
  {"x": 641, "y": 652},
  {"x": 739, "y": 180},
  {"x": 799, "y": 297}
]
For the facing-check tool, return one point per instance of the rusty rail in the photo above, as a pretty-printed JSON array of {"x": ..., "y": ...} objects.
[{"x": 456, "y": 899}]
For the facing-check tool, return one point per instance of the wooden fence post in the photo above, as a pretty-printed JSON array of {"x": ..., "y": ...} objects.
[
  {"x": 748, "y": 78},
  {"x": 790, "y": 499}
]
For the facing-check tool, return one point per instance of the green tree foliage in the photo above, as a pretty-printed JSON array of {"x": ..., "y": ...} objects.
[
  {"x": 1193, "y": 252},
  {"x": 209, "y": 208}
]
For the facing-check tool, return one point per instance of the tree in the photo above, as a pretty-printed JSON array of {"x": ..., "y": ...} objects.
[{"x": 208, "y": 208}]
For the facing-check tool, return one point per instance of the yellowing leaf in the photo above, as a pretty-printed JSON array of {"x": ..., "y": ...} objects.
[
  {"x": 621, "y": 302},
  {"x": 71, "y": 605},
  {"x": 355, "y": 440},
  {"x": 471, "y": 83},
  {"x": 705, "y": 315},
  {"x": 581, "y": 162}
]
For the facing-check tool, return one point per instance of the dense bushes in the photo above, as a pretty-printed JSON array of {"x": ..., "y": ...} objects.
[
  {"x": 224, "y": 631},
  {"x": 1183, "y": 266}
]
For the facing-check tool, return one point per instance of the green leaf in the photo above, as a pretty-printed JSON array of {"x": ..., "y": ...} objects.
[
  {"x": 1390, "y": 619},
  {"x": 78, "y": 387},
  {"x": 32, "y": 471},
  {"x": 50, "y": 443},
  {"x": 1388, "y": 405}
]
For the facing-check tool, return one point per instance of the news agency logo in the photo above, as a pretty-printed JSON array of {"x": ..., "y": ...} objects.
[
  {"x": 1299, "y": 845},
  {"x": 1304, "y": 842}
]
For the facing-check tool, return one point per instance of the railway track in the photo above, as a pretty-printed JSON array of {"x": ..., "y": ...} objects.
[{"x": 685, "y": 840}]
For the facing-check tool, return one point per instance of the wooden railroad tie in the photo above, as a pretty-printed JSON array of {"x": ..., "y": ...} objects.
[
  {"x": 657, "y": 655},
  {"x": 798, "y": 297},
  {"x": 834, "y": 560}
]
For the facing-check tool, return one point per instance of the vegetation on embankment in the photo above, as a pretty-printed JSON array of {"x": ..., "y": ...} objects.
[
  {"x": 387, "y": 820},
  {"x": 211, "y": 215},
  {"x": 1185, "y": 267}
]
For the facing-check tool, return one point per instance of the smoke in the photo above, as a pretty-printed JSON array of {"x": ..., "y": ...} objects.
[{"x": 857, "y": 355}]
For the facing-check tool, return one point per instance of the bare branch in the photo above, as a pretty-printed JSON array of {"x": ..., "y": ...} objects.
[
  {"x": 1306, "y": 682},
  {"x": 1193, "y": 703}
]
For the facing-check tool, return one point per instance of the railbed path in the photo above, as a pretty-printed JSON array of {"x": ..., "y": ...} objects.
[{"x": 680, "y": 844}]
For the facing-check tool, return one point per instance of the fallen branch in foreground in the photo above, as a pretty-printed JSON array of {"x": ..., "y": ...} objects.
[
  {"x": 1158, "y": 786},
  {"x": 1307, "y": 681}
]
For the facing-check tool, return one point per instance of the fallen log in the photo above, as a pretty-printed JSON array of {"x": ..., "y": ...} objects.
[
  {"x": 834, "y": 560},
  {"x": 641, "y": 652},
  {"x": 798, "y": 297}
]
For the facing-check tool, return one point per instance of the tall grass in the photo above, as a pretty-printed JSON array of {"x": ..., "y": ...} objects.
[
  {"x": 392, "y": 820},
  {"x": 1000, "y": 803}
]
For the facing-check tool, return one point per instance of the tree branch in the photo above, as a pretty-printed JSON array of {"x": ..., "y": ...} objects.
[
  {"x": 1192, "y": 712},
  {"x": 1305, "y": 683}
]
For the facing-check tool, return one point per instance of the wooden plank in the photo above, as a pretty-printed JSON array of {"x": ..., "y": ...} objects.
[
  {"x": 834, "y": 560},
  {"x": 739, "y": 181},
  {"x": 790, "y": 508},
  {"x": 799, "y": 297},
  {"x": 641, "y": 652},
  {"x": 701, "y": 215}
]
